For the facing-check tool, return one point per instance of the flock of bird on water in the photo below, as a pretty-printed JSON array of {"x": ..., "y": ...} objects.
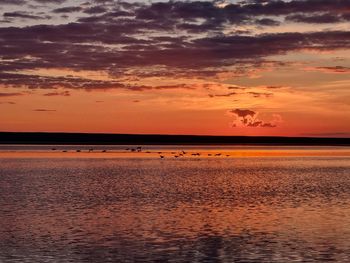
[{"x": 182, "y": 153}]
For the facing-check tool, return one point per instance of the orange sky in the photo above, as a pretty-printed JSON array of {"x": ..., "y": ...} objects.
[{"x": 217, "y": 69}]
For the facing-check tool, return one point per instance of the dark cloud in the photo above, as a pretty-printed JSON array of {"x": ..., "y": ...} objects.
[
  {"x": 78, "y": 46},
  {"x": 55, "y": 93},
  {"x": 68, "y": 9},
  {"x": 24, "y": 15},
  {"x": 44, "y": 110},
  {"x": 267, "y": 22},
  {"x": 260, "y": 94},
  {"x": 244, "y": 113},
  {"x": 10, "y": 94},
  {"x": 238, "y": 13},
  {"x": 95, "y": 10},
  {"x": 162, "y": 87},
  {"x": 315, "y": 19},
  {"x": 12, "y": 2},
  {"x": 39, "y": 82},
  {"x": 50, "y": 1},
  {"x": 223, "y": 95},
  {"x": 236, "y": 88},
  {"x": 335, "y": 69},
  {"x": 279, "y": 7},
  {"x": 8, "y": 102}
]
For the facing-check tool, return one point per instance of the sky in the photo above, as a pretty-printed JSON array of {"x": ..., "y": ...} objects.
[{"x": 250, "y": 67}]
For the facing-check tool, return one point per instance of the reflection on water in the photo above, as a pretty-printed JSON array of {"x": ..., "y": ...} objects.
[{"x": 287, "y": 209}]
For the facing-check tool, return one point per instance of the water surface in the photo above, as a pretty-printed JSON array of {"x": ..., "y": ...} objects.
[{"x": 195, "y": 209}]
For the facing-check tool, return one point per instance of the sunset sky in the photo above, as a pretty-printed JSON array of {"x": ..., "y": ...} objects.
[{"x": 247, "y": 67}]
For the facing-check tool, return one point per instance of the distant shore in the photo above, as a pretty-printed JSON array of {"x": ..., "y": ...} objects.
[{"x": 154, "y": 139}]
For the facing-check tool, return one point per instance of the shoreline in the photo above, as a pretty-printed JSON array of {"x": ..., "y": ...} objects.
[{"x": 44, "y": 138}]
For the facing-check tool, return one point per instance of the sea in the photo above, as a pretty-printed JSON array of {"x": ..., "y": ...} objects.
[{"x": 183, "y": 203}]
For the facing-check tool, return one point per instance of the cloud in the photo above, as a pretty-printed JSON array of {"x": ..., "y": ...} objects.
[
  {"x": 260, "y": 94},
  {"x": 75, "y": 48},
  {"x": 236, "y": 88},
  {"x": 8, "y": 102},
  {"x": 331, "y": 70},
  {"x": 249, "y": 118},
  {"x": 223, "y": 95},
  {"x": 41, "y": 82},
  {"x": 279, "y": 7},
  {"x": 244, "y": 113},
  {"x": 315, "y": 19},
  {"x": 12, "y": 2},
  {"x": 10, "y": 80},
  {"x": 267, "y": 22},
  {"x": 115, "y": 37},
  {"x": 67, "y": 9},
  {"x": 10, "y": 94},
  {"x": 95, "y": 10},
  {"x": 62, "y": 93},
  {"x": 50, "y": 1},
  {"x": 274, "y": 87},
  {"x": 44, "y": 110},
  {"x": 23, "y": 15}
]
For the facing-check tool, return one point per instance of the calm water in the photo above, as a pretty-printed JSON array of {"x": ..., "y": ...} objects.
[{"x": 137, "y": 209}]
